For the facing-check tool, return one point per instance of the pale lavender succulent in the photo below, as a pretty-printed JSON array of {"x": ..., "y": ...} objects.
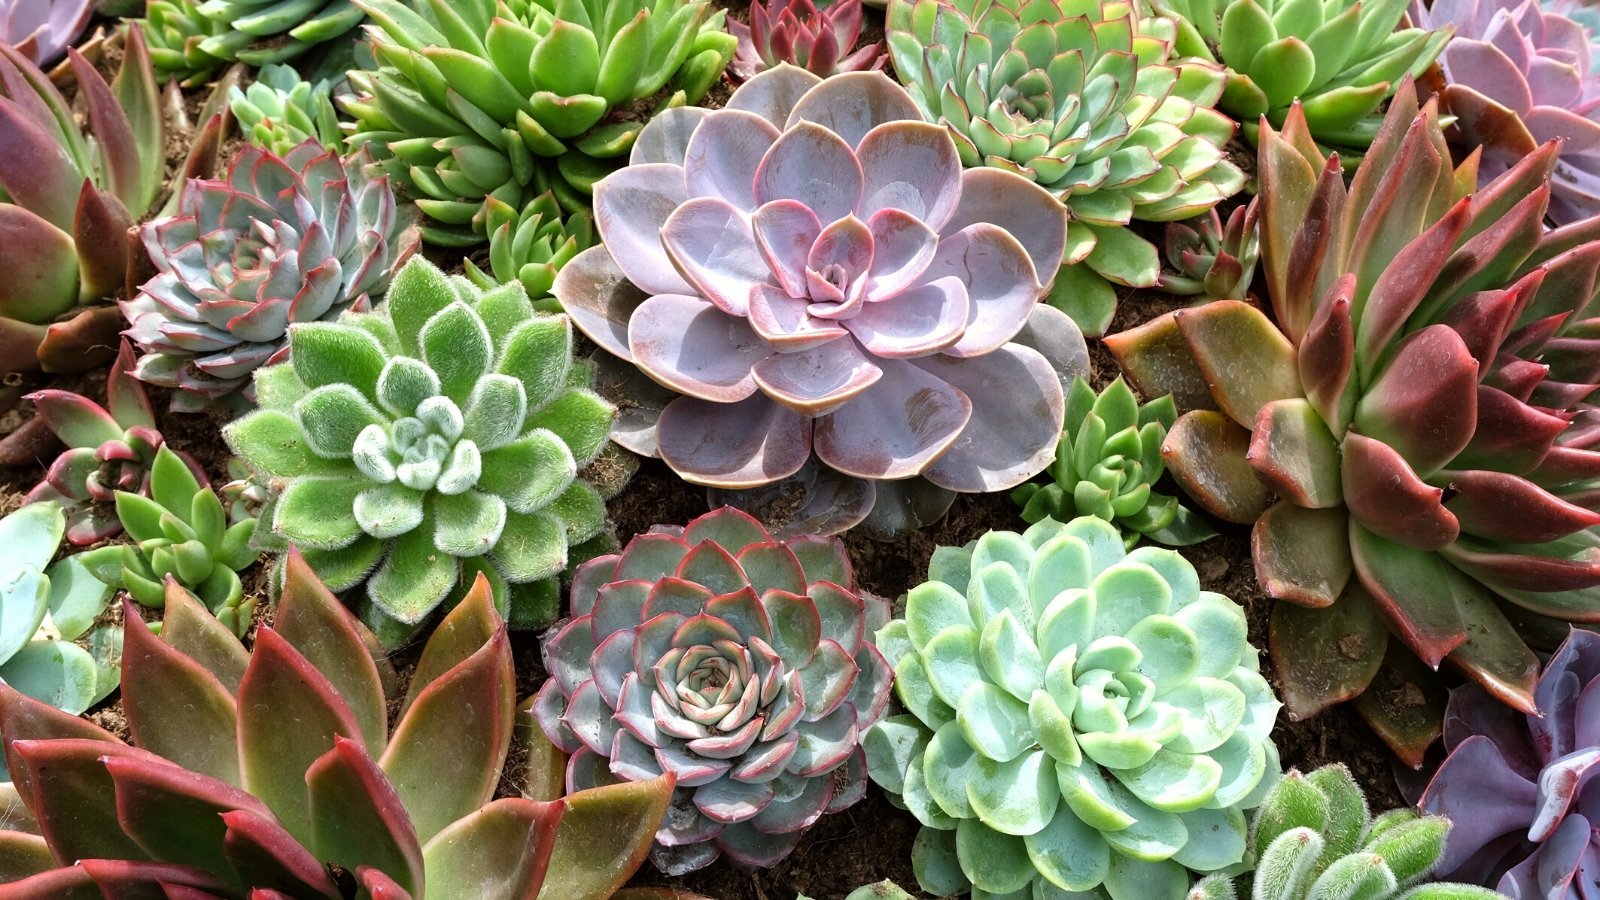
[
  {"x": 812, "y": 270},
  {"x": 1518, "y": 75},
  {"x": 43, "y": 29}
]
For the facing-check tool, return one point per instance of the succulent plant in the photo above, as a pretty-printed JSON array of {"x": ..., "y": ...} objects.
[
  {"x": 1517, "y": 77},
  {"x": 735, "y": 662},
  {"x": 176, "y": 30},
  {"x": 246, "y": 494},
  {"x": 300, "y": 238},
  {"x": 882, "y": 890},
  {"x": 180, "y": 532},
  {"x": 510, "y": 98},
  {"x": 1586, "y": 16},
  {"x": 259, "y": 32},
  {"x": 885, "y": 316},
  {"x": 1211, "y": 260},
  {"x": 42, "y": 30},
  {"x": 1419, "y": 410},
  {"x": 1340, "y": 58},
  {"x": 1080, "y": 97},
  {"x": 279, "y": 111},
  {"x": 797, "y": 32},
  {"x": 1313, "y": 839},
  {"x": 1108, "y": 459},
  {"x": 47, "y": 608},
  {"x": 274, "y": 773},
  {"x": 433, "y": 439},
  {"x": 108, "y": 450},
  {"x": 1079, "y": 718},
  {"x": 531, "y": 246},
  {"x": 1521, "y": 788}
]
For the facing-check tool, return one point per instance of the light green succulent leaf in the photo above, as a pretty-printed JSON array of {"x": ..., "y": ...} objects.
[
  {"x": 949, "y": 765},
  {"x": 76, "y": 598},
  {"x": 24, "y": 600},
  {"x": 29, "y": 537},
  {"x": 59, "y": 673}
]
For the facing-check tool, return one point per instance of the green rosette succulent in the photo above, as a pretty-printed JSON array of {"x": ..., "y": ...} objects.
[
  {"x": 436, "y": 438},
  {"x": 1107, "y": 461},
  {"x": 176, "y": 31},
  {"x": 1341, "y": 58},
  {"x": 1079, "y": 718},
  {"x": 261, "y": 32},
  {"x": 509, "y": 98},
  {"x": 531, "y": 246},
  {"x": 1313, "y": 839},
  {"x": 1082, "y": 97},
  {"x": 280, "y": 111}
]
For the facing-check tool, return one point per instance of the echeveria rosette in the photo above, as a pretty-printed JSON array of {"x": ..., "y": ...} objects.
[
  {"x": 108, "y": 450},
  {"x": 531, "y": 245},
  {"x": 1078, "y": 718},
  {"x": 277, "y": 767},
  {"x": 1313, "y": 838},
  {"x": 1080, "y": 96},
  {"x": 510, "y": 98},
  {"x": 740, "y": 664},
  {"x": 1517, "y": 77},
  {"x": 46, "y": 609},
  {"x": 42, "y": 30},
  {"x": 1340, "y": 58},
  {"x": 437, "y": 437},
  {"x": 1419, "y": 408},
  {"x": 1211, "y": 260},
  {"x": 298, "y": 238},
  {"x": 279, "y": 111},
  {"x": 797, "y": 32},
  {"x": 816, "y": 277},
  {"x": 1108, "y": 459},
  {"x": 1522, "y": 788}
]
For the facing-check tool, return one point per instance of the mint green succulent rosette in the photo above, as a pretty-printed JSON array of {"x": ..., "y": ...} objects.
[{"x": 1081, "y": 721}]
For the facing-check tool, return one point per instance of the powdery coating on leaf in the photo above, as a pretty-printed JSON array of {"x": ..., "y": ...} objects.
[
  {"x": 43, "y": 29},
  {"x": 813, "y": 259}
]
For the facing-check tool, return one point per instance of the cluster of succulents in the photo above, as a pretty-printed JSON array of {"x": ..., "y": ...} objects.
[
  {"x": 531, "y": 245},
  {"x": 434, "y": 439},
  {"x": 1417, "y": 409},
  {"x": 279, "y": 111},
  {"x": 820, "y": 41},
  {"x": 1086, "y": 100},
  {"x": 1078, "y": 718}
]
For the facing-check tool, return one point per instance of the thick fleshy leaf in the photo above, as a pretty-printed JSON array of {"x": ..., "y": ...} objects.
[
  {"x": 1424, "y": 403},
  {"x": 897, "y": 427},
  {"x": 1302, "y": 555},
  {"x": 1326, "y": 656},
  {"x": 1207, "y": 453},
  {"x": 175, "y": 706},
  {"x": 501, "y": 850},
  {"x": 1387, "y": 496},
  {"x": 1246, "y": 360},
  {"x": 1292, "y": 449},
  {"x": 593, "y": 856},
  {"x": 357, "y": 818}
]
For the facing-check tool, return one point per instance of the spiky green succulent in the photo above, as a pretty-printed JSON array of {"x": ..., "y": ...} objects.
[
  {"x": 1107, "y": 461},
  {"x": 176, "y": 30},
  {"x": 1079, "y": 718},
  {"x": 531, "y": 246},
  {"x": 435, "y": 438},
  {"x": 260, "y": 32},
  {"x": 179, "y": 531},
  {"x": 509, "y": 98},
  {"x": 1340, "y": 58},
  {"x": 279, "y": 111},
  {"x": 1084, "y": 98},
  {"x": 1313, "y": 839}
]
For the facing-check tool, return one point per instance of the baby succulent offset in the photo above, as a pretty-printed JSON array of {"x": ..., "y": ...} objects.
[
  {"x": 274, "y": 772},
  {"x": 45, "y": 609},
  {"x": 796, "y": 31},
  {"x": 1419, "y": 409},
  {"x": 1107, "y": 461},
  {"x": 738, "y": 664},
  {"x": 1517, "y": 76},
  {"x": 42, "y": 30},
  {"x": 815, "y": 276},
  {"x": 1210, "y": 260},
  {"x": 1340, "y": 58},
  {"x": 180, "y": 533},
  {"x": 435, "y": 438},
  {"x": 1079, "y": 718},
  {"x": 108, "y": 450},
  {"x": 279, "y": 111},
  {"x": 531, "y": 246},
  {"x": 510, "y": 98},
  {"x": 1522, "y": 788},
  {"x": 300, "y": 238},
  {"x": 1080, "y": 97},
  {"x": 1313, "y": 839}
]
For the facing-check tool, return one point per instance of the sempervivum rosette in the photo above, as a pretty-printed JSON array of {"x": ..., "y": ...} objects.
[
  {"x": 739, "y": 664},
  {"x": 299, "y": 238},
  {"x": 815, "y": 276}
]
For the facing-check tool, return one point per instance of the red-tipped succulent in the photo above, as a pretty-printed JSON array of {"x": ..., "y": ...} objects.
[
  {"x": 1412, "y": 436},
  {"x": 797, "y": 32},
  {"x": 275, "y": 774},
  {"x": 108, "y": 450}
]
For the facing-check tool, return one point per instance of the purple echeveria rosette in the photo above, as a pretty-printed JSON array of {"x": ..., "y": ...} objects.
[
  {"x": 1523, "y": 791},
  {"x": 818, "y": 280},
  {"x": 740, "y": 664}
]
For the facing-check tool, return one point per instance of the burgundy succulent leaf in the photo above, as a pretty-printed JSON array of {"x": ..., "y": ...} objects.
[{"x": 798, "y": 32}]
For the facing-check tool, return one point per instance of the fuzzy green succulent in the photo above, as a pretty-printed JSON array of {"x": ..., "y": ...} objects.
[
  {"x": 436, "y": 438},
  {"x": 279, "y": 111},
  {"x": 1314, "y": 839},
  {"x": 531, "y": 246},
  {"x": 1107, "y": 461},
  {"x": 1079, "y": 718},
  {"x": 509, "y": 98},
  {"x": 1082, "y": 97}
]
